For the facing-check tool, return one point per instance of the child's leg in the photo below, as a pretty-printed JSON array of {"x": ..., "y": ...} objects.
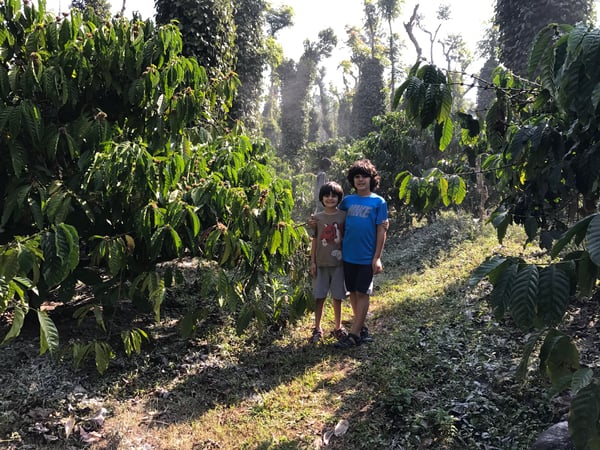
[
  {"x": 337, "y": 313},
  {"x": 317, "y": 333},
  {"x": 319, "y": 306}
]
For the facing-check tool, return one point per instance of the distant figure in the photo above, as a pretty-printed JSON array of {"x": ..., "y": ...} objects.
[{"x": 324, "y": 166}]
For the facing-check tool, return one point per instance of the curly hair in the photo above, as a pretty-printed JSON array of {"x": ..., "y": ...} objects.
[{"x": 366, "y": 168}]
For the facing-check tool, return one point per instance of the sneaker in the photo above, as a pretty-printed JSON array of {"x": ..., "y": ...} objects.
[
  {"x": 317, "y": 335},
  {"x": 339, "y": 333},
  {"x": 348, "y": 341},
  {"x": 365, "y": 336}
]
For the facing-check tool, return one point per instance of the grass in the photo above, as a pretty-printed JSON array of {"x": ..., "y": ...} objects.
[{"x": 440, "y": 374}]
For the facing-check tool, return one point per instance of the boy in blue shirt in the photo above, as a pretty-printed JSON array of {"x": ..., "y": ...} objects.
[{"x": 365, "y": 232}]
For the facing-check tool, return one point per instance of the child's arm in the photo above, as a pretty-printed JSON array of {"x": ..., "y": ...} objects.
[
  {"x": 381, "y": 237},
  {"x": 313, "y": 257}
]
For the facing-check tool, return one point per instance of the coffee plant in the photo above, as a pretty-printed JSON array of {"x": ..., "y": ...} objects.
[
  {"x": 542, "y": 137},
  {"x": 115, "y": 160}
]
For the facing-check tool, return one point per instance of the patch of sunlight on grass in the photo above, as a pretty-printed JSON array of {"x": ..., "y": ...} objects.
[
  {"x": 452, "y": 266},
  {"x": 297, "y": 410},
  {"x": 294, "y": 410}
]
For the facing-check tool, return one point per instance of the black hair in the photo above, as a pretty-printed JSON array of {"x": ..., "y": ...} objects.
[
  {"x": 325, "y": 164},
  {"x": 366, "y": 168},
  {"x": 329, "y": 188}
]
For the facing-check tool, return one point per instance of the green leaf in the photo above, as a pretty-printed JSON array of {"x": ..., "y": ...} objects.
[
  {"x": 523, "y": 368},
  {"x": 584, "y": 415},
  {"x": 189, "y": 322},
  {"x": 402, "y": 180},
  {"x": 19, "y": 314},
  {"x": 413, "y": 96},
  {"x": 58, "y": 207},
  {"x": 501, "y": 297},
  {"x": 275, "y": 241},
  {"x": 531, "y": 227},
  {"x": 541, "y": 44},
  {"x": 18, "y": 156},
  {"x": 80, "y": 352},
  {"x": 195, "y": 220},
  {"x": 501, "y": 219},
  {"x": 559, "y": 357},
  {"x": 48, "y": 333},
  {"x": 429, "y": 109},
  {"x": 553, "y": 295},
  {"x": 457, "y": 189},
  {"x": 587, "y": 274},
  {"x": 177, "y": 243},
  {"x": 485, "y": 268},
  {"x": 104, "y": 353},
  {"x": 156, "y": 241},
  {"x": 578, "y": 231},
  {"x": 469, "y": 123},
  {"x": 524, "y": 296},
  {"x": 244, "y": 318},
  {"x": 67, "y": 245},
  {"x": 593, "y": 239},
  {"x": 157, "y": 292},
  {"x": 447, "y": 134},
  {"x": 397, "y": 94},
  {"x": 581, "y": 379},
  {"x": 117, "y": 255},
  {"x": 132, "y": 340}
]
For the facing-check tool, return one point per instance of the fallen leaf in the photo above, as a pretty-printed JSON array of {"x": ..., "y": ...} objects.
[
  {"x": 341, "y": 427},
  {"x": 89, "y": 438},
  {"x": 99, "y": 417},
  {"x": 69, "y": 425}
]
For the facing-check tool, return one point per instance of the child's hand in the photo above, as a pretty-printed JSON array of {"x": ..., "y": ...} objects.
[
  {"x": 313, "y": 269},
  {"x": 312, "y": 222},
  {"x": 377, "y": 266}
]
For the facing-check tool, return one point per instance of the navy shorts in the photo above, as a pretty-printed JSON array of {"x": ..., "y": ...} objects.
[{"x": 359, "y": 277}]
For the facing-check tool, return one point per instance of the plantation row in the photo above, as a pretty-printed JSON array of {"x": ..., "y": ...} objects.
[{"x": 120, "y": 155}]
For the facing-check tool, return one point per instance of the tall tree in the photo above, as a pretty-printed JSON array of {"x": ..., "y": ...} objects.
[
  {"x": 296, "y": 83},
  {"x": 369, "y": 100},
  {"x": 371, "y": 25},
  {"x": 409, "y": 27},
  {"x": 390, "y": 10},
  {"x": 326, "y": 107},
  {"x": 488, "y": 49},
  {"x": 276, "y": 20},
  {"x": 207, "y": 28},
  {"x": 100, "y": 7},
  {"x": 519, "y": 22},
  {"x": 251, "y": 61}
]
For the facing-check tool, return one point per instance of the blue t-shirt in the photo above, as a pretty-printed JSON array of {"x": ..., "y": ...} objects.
[{"x": 363, "y": 214}]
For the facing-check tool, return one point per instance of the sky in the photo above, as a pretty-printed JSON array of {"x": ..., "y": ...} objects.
[{"x": 468, "y": 17}]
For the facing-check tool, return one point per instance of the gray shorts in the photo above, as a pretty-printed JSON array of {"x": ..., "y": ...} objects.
[{"x": 329, "y": 279}]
